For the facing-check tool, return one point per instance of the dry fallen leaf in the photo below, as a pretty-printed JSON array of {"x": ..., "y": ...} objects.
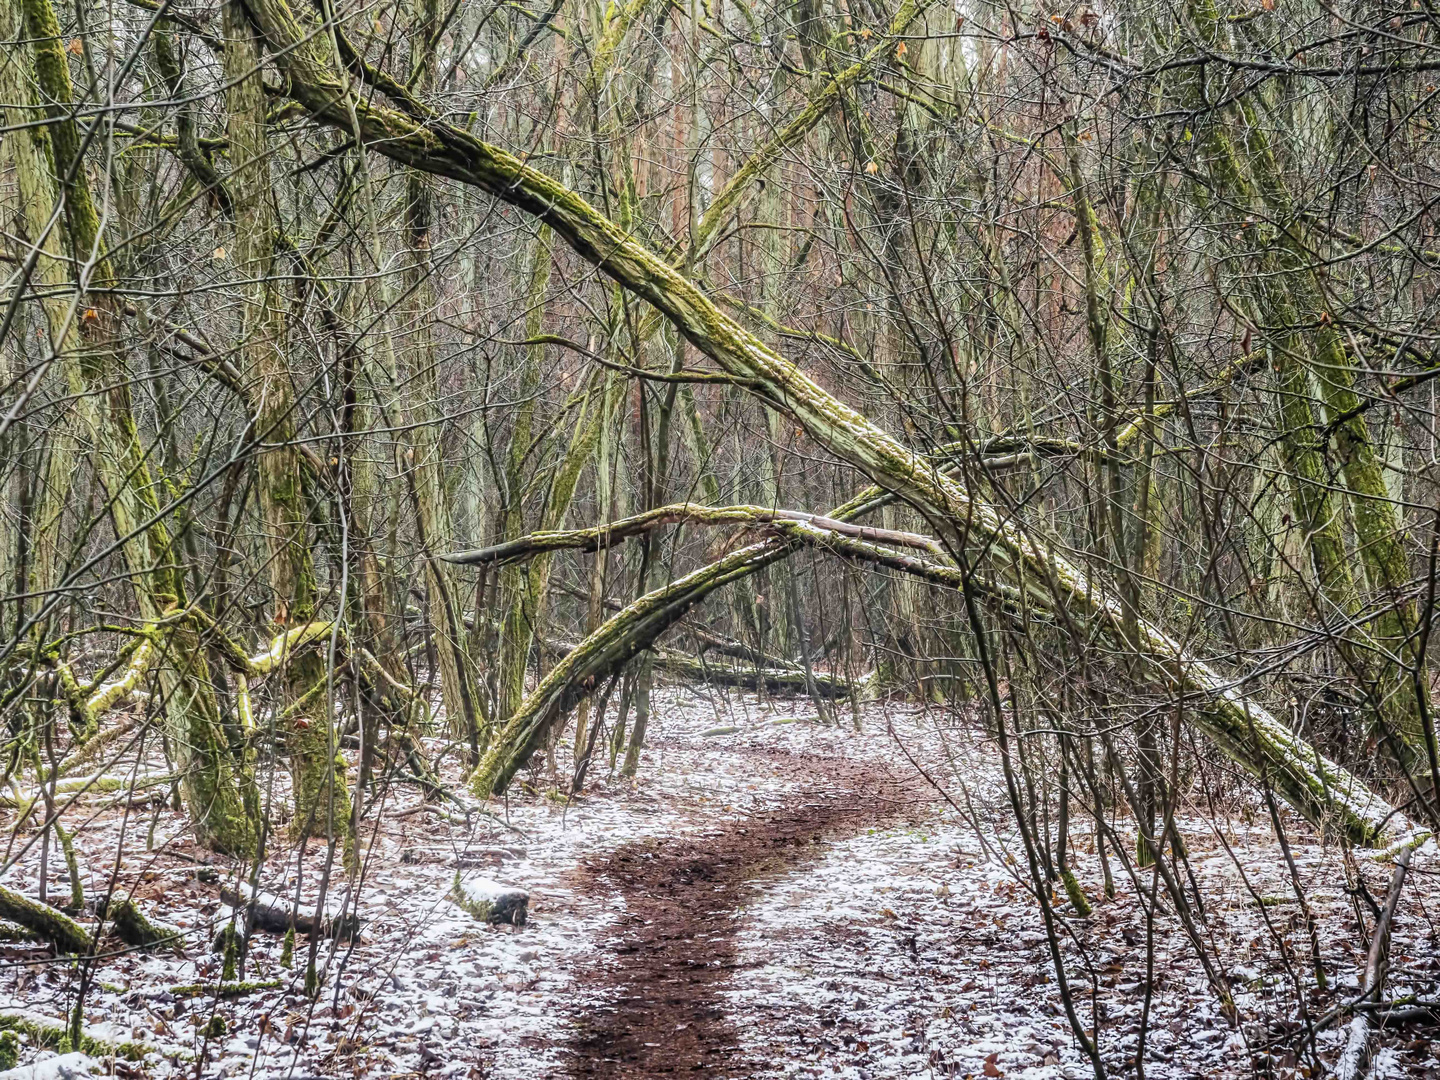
[{"x": 77, "y": 46}]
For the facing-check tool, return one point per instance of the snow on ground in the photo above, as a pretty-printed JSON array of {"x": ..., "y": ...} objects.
[
  {"x": 910, "y": 949},
  {"x": 913, "y": 950}
]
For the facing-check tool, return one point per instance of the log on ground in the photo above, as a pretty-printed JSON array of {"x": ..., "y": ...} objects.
[
  {"x": 275, "y": 915},
  {"x": 133, "y": 927},
  {"x": 491, "y": 902},
  {"x": 54, "y": 926}
]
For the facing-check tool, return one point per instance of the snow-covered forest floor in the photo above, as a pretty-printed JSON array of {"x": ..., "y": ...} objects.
[{"x": 781, "y": 899}]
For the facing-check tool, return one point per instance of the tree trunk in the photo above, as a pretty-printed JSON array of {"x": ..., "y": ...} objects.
[
  {"x": 217, "y": 793},
  {"x": 317, "y": 771},
  {"x": 422, "y": 393}
]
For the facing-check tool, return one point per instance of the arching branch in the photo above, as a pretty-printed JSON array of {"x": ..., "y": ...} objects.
[{"x": 602, "y": 537}]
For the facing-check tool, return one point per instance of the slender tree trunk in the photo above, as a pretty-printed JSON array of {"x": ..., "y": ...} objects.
[
  {"x": 516, "y": 627},
  {"x": 317, "y": 770}
]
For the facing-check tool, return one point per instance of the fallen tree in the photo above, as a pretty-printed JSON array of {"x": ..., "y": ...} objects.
[
  {"x": 411, "y": 134},
  {"x": 602, "y": 537},
  {"x": 52, "y": 1032},
  {"x": 774, "y": 680},
  {"x": 53, "y": 925},
  {"x": 1336, "y": 798},
  {"x": 277, "y": 915},
  {"x": 619, "y": 639},
  {"x": 133, "y": 927}
]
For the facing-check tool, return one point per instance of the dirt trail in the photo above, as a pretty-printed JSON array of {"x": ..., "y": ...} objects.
[{"x": 676, "y": 945}]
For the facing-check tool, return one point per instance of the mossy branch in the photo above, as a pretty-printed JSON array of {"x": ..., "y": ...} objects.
[
  {"x": 605, "y": 536},
  {"x": 134, "y": 928},
  {"x": 56, "y": 1035}
]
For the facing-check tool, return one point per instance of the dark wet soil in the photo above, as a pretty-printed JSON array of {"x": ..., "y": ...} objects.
[{"x": 676, "y": 947}]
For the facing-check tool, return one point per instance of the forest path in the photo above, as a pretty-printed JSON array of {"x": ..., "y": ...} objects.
[{"x": 664, "y": 971}]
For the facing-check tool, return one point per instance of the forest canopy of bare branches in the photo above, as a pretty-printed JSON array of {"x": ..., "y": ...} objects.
[{"x": 399, "y": 402}]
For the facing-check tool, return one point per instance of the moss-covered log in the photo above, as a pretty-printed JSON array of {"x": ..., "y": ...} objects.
[
  {"x": 67, "y": 935},
  {"x": 773, "y": 680},
  {"x": 227, "y": 991},
  {"x": 25, "y": 801},
  {"x": 133, "y": 927},
  {"x": 277, "y": 915},
  {"x": 790, "y": 679},
  {"x": 55, "y": 1034}
]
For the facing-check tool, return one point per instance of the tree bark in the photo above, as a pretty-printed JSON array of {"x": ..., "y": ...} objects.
[{"x": 421, "y": 390}]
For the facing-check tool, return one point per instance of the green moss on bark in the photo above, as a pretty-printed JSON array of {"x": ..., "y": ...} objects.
[{"x": 1078, "y": 900}]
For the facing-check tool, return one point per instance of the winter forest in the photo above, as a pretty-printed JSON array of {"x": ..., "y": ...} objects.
[{"x": 739, "y": 538}]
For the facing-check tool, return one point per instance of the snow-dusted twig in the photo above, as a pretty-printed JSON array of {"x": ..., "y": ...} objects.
[{"x": 1356, "y": 1057}]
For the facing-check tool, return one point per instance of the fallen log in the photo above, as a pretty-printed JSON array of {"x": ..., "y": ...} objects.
[
  {"x": 137, "y": 791},
  {"x": 67, "y": 935},
  {"x": 25, "y": 801},
  {"x": 134, "y": 928},
  {"x": 772, "y": 679},
  {"x": 491, "y": 902},
  {"x": 50, "y": 1032},
  {"x": 275, "y": 915},
  {"x": 707, "y": 642},
  {"x": 107, "y": 736},
  {"x": 712, "y": 642},
  {"x": 775, "y": 680},
  {"x": 227, "y": 991}
]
